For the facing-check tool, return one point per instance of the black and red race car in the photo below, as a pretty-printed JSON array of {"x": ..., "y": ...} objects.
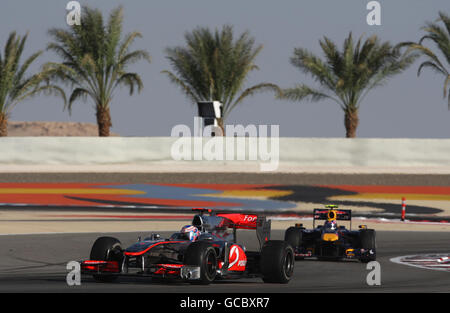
[
  {"x": 332, "y": 241},
  {"x": 214, "y": 255}
]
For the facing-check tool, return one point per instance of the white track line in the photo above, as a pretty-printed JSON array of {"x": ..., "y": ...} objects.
[{"x": 434, "y": 262}]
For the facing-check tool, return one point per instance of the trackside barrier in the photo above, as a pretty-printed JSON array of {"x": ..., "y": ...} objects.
[{"x": 293, "y": 152}]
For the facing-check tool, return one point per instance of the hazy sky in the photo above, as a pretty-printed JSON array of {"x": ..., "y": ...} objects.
[{"x": 407, "y": 106}]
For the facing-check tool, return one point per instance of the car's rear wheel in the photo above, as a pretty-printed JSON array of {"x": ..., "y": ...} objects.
[
  {"x": 368, "y": 243},
  {"x": 294, "y": 236},
  {"x": 203, "y": 255},
  {"x": 106, "y": 249},
  {"x": 277, "y": 262}
]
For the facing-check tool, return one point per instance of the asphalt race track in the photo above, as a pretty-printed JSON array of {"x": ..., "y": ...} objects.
[
  {"x": 37, "y": 263},
  {"x": 233, "y": 178}
]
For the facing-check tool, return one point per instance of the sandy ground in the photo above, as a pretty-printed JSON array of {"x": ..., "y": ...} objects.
[
  {"x": 25, "y": 222},
  {"x": 60, "y": 129}
]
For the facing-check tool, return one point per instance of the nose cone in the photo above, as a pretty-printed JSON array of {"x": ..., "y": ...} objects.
[{"x": 330, "y": 237}]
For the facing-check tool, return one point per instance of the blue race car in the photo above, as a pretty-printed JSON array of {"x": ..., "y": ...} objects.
[{"x": 330, "y": 241}]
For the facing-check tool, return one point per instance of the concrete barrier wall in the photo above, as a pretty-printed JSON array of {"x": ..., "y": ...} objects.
[
  {"x": 83, "y": 150},
  {"x": 293, "y": 152},
  {"x": 365, "y": 152}
]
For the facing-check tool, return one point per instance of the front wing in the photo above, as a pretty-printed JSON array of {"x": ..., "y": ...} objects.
[{"x": 333, "y": 250}]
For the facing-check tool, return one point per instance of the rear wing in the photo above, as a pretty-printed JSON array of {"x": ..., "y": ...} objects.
[
  {"x": 240, "y": 221},
  {"x": 222, "y": 221},
  {"x": 341, "y": 215}
]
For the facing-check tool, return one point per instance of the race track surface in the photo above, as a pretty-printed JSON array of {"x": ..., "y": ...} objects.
[
  {"x": 37, "y": 263},
  {"x": 232, "y": 178}
]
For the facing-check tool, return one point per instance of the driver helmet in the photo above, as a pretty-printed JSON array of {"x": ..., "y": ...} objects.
[{"x": 191, "y": 232}]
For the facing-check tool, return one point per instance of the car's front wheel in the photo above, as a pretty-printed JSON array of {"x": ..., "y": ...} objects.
[
  {"x": 203, "y": 255},
  {"x": 106, "y": 249}
]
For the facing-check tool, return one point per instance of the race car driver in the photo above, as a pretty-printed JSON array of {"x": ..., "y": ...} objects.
[{"x": 190, "y": 232}]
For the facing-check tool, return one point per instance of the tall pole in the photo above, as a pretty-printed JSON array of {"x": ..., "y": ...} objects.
[{"x": 403, "y": 209}]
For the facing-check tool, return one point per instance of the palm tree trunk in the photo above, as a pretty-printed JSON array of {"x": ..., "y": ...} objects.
[
  {"x": 3, "y": 125},
  {"x": 220, "y": 122},
  {"x": 351, "y": 123},
  {"x": 103, "y": 121}
]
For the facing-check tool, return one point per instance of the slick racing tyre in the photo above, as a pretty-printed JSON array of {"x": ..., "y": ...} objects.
[
  {"x": 368, "y": 243},
  {"x": 294, "y": 236},
  {"x": 106, "y": 249},
  {"x": 203, "y": 255},
  {"x": 277, "y": 262}
]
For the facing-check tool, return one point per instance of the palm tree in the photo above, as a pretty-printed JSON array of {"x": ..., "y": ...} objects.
[
  {"x": 15, "y": 85},
  {"x": 347, "y": 76},
  {"x": 441, "y": 38},
  {"x": 95, "y": 61},
  {"x": 213, "y": 66}
]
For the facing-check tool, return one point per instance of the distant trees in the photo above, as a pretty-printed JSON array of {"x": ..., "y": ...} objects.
[
  {"x": 346, "y": 76},
  {"x": 210, "y": 66},
  {"x": 16, "y": 84},
  {"x": 95, "y": 60}
]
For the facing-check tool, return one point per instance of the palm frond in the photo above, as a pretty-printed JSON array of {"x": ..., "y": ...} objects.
[
  {"x": 77, "y": 93},
  {"x": 303, "y": 92},
  {"x": 447, "y": 89},
  {"x": 130, "y": 80},
  {"x": 263, "y": 87}
]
